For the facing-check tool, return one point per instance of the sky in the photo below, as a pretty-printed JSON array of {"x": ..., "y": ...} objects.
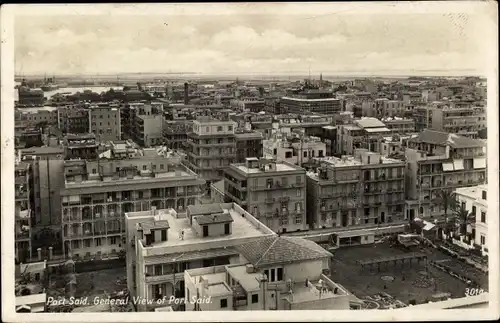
[{"x": 257, "y": 43}]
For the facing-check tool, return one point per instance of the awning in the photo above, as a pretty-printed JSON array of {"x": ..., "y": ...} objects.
[
  {"x": 479, "y": 163},
  {"x": 428, "y": 226},
  {"x": 459, "y": 164},
  {"x": 448, "y": 167},
  {"x": 377, "y": 130}
]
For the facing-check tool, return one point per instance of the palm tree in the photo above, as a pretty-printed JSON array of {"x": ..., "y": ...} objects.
[
  {"x": 464, "y": 217},
  {"x": 448, "y": 200}
]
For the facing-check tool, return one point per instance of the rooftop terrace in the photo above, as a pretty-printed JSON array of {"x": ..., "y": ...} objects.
[{"x": 242, "y": 227}]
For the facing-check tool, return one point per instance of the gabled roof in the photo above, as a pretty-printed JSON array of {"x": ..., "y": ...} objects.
[
  {"x": 444, "y": 138},
  {"x": 281, "y": 250}
]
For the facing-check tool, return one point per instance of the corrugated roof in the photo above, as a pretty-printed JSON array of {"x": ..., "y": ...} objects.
[{"x": 280, "y": 250}]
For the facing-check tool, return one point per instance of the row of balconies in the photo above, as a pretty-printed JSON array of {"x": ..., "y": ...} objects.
[
  {"x": 91, "y": 233},
  {"x": 276, "y": 185},
  {"x": 278, "y": 199},
  {"x": 132, "y": 199}
]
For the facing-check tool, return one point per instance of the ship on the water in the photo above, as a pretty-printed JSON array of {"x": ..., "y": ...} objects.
[
  {"x": 49, "y": 84},
  {"x": 49, "y": 87}
]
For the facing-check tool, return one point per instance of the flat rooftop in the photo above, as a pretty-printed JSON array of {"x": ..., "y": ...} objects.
[
  {"x": 474, "y": 192},
  {"x": 249, "y": 281},
  {"x": 280, "y": 167},
  {"x": 110, "y": 181},
  {"x": 351, "y": 161},
  {"x": 241, "y": 228}
]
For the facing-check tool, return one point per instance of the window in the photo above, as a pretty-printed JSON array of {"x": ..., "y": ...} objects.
[
  {"x": 280, "y": 274},
  {"x": 266, "y": 272},
  {"x": 305, "y": 154},
  {"x": 299, "y": 193},
  {"x": 86, "y": 243},
  {"x": 154, "y": 166},
  {"x": 223, "y": 303},
  {"x": 144, "y": 167},
  {"x": 483, "y": 240},
  {"x": 474, "y": 209},
  {"x": 299, "y": 179},
  {"x": 98, "y": 242},
  {"x": 113, "y": 240},
  {"x": 141, "y": 194},
  {"x": 255, "y": 298},
  {"x": 94, "y": 171},
  {"x": 158, "y": 270},
  {"x": 207, "y": 129},
  {"x": 163, "y": 235},
  {"x": 219, "y": 128},
  {"x": 484, "y": 195},
  {"x": 483, "y": 217},
  {"x": 288, "y": 154},
  {"x": 205, "y": 231},
  {"x": 162, "y": 166},
  {"x": 230, "y": 128},
  {"x": 226, "y": 228},
  {"x": 272, "y": 275}
]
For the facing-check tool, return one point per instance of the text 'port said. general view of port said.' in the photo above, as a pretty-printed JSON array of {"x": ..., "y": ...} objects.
[{"x": 250, "y": 162}]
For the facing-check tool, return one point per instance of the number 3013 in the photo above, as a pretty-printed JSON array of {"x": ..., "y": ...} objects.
[{"x": 473, "y": 291}]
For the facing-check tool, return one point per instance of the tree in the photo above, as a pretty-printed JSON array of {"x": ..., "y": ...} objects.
[
  {"x": 464, "y": 217},
  {"x": 448, "y": 200}
]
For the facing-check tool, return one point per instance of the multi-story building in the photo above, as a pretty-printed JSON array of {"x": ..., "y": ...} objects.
[
  {"x": 466, "y": 121},
  {"x": 47, "y": 165},
  {"x": 148, "y": 130},
  {"x": 175, "y": 134},
  {"x": 23, "y": 194},
  {"x": 80, "y": 146},
  {"x": 399, "y": 125},
  {"x": 247, "y": 144},
  {"x": 162, "y": 244},
  {"x": 106, "y": 122},
  {"x": 296, "y": 150},
  {"x": 361, "y": 191},
  {"x": 143, "y": 122},
  {"x": 97, "y": 193},
  {"x": 211, "y": 147},
  {"x": 439, "y": 161},
  {"x": 474, "y": 199},
  {"x": 73, "y": 119},
  {"x": 318, "y": 101},
  {"x": 275, "y": 273},
  {"x": 312, "y": 125},
  {"x": 273, "y": 192},
  {"x": 39, "y": 116},
  {"x": 254, "y": 105},
  {"x": 364, "y": 133}
]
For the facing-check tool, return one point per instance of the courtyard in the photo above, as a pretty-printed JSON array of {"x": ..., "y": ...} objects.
[
  {"x": 409, "y": 282},
  {"x": 100, "y": 284}
]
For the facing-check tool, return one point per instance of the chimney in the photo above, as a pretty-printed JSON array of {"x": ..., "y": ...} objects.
[
  {"x": 186, "y": 94},
  {"x": 250, "y": 268}
]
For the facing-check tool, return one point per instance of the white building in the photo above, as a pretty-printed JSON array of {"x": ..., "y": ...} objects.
[
  {"x": 474, "y": 200},
  {"x": 161, "y": 244},
  {"x": 275, "y": 273}
]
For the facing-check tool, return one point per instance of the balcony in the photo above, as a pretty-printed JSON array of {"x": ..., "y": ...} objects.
[
  {"x": 284, "y": 199},
  {"x": 23, "y": 234},
  {"x": 270, "y": 200},
  {"x": 164, "y": 278}
]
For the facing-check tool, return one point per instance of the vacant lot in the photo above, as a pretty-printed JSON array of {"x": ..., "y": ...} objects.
[{"x": 416, "y": 282}]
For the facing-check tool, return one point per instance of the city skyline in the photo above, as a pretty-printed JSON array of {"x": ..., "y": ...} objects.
[{"x": 343, "y": 42}]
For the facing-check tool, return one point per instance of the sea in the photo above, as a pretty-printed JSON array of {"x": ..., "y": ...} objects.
[{"x": 73, "y": 90}]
